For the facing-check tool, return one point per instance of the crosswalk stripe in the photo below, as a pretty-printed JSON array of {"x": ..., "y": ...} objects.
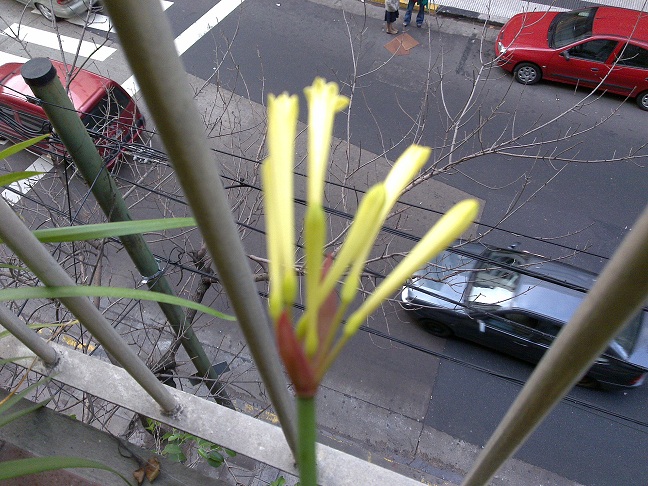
[
  {"x": 193, "y": 34},
  {"x": 68, "y": 44},
  {"x": 184, "y": 41},
  {"x": 23, "y": 187},
  {"x": 5, "y": 57}
]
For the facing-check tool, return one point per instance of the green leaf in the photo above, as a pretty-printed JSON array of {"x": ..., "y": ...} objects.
[
  {"x": 10, "y": 402},
  {"x": 33, "y": 465},
  {"x": 205, "y": 444},
  {"x": 12, "y": 177},
  {"x": 39, "y": 325},
  {"x": 215, "y": 462},
  {"x": 14, "y": 359},
  {"x": 230, "y": 452},
  {"x": 216, "y": 456},
  {"x": 280, "y": 481},
  {"x": 13, "y": 267},
  {"x": 174, "y": 452},
  {"x": 98, "y": 291},
  {"x": 173, "y": 437},
  {"x": 107, "y": 230},
  {"x": 6, "y": 418},
  {"x": 21, "y": 146},
  {"x": 172, "y": 449}
]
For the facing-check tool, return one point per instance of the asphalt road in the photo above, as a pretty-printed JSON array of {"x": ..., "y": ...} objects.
[
  {"x": 268, "y": 47},
  {"x": 579, "y": 205}
]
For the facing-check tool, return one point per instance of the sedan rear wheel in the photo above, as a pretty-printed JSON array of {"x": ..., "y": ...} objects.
[
  {"x": 527, "y": 73},
  {"x": 437, "y": 328},
  {"x": 642, "y": 100},
  {"x": 45, "y": 12}
]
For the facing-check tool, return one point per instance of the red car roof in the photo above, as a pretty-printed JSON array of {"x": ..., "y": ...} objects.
[
  {"x": 621, "y": 22},
  {"x": 83, "y": 86}
]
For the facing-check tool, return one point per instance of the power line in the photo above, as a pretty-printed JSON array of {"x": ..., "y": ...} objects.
[
  {"x": 143, "y": 151},
  {"x": 586, "y": 405}
]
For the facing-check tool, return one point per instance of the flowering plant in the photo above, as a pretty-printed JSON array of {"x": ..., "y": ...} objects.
[{"x": 309, "y": 346}]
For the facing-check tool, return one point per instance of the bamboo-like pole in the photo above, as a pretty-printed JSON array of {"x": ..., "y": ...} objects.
[
  {"x": 26, "y": 246},
  {"x": 617, "y": 296},
  {"x": 27, "y": 336},
  {"x": 147, "y": 40},
  {"x": 40, "y": 75}
]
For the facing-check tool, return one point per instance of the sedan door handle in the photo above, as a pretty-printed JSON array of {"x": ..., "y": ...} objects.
[{"x": 595, "y": 70}]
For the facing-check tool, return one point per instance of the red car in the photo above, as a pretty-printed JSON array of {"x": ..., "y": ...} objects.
[
  {"x": 602, "y": 48},
  {"x": 109, "y": 114}
]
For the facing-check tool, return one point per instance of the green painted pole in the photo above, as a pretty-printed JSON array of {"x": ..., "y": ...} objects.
[{"x": 40, "y": 75}]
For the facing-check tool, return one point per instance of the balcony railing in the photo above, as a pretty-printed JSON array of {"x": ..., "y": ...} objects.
[{"x": 145, "y": 35}]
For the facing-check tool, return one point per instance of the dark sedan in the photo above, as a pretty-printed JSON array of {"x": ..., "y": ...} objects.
[{"x": 516, "y": 302}]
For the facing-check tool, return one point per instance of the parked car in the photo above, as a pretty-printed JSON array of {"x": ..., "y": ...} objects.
[
  {"x": 598, "y": 47},
  {"x": 108, "y": 112},
  {"x": 62, "y": 9},
  {"x": 479, "y": 293}
]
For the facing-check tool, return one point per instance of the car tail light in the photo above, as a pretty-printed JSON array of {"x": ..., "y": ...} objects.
[
  {"x": 638, "y": 380},
  {"x": 63, "y": 2}
]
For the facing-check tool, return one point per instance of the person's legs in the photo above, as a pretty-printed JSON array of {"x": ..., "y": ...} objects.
[
  {"x": 420, "y": 15},
  {"x": 408, "y": 13}
]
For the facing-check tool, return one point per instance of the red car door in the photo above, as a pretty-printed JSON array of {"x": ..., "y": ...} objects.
[
  {"x": 583, "y": 63},
  {"x": 630, "y": 74}
]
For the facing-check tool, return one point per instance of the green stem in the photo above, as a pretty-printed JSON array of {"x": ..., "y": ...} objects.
[{"x": 306, "y": 436}]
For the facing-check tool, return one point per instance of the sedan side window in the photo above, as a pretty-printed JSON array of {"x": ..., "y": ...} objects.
[
  {"x": 595, "y": 50},
  {"x": 633, "y": 56}
]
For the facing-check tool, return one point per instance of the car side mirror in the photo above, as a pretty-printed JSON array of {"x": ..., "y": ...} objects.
[
  {"x": 482, "y": 326},
  {"x": 566, "y": 55}
]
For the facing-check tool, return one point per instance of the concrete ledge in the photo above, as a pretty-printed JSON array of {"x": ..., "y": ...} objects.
[
  {"x": 231, "y": 429},
  {"x": 48, "y": 433}
]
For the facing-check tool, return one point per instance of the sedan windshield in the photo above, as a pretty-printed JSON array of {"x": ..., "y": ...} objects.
[
  {"x": 628, "y": 336},
  {"x": 494, "y": 285},
  {"x": 569, "y": 27}
]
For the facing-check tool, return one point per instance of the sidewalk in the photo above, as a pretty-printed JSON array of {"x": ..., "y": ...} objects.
[{"x": 499, "y": 11}]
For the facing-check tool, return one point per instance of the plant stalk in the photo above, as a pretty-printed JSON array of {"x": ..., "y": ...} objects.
[{"x": 306, "y": 438}]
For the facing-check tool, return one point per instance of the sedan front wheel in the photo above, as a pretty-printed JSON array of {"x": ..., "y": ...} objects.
[
  {"x": 437, "y": 328},
  {"x": 527, "y": 73},
  {"x": 45, "y": 12}
]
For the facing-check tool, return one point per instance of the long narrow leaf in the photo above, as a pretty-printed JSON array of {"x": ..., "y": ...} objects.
[
  {"x": 13, "y": 267},
  {"x": 41, "y": 325},
  {"x": 34, "y": 465},
  {"x": 6, "y": 418},
  {"x": 98, "y": 291},
  {"x": 11, "y": 400},
  {"x": 11, "y": 360},
  {"x": 107, "y": 230},
  {"x": 21, "y": 146},
  {"x": 12, "y": 177}
]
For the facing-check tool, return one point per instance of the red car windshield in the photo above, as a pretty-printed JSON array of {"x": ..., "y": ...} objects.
[{"x": 569, "y": 27}]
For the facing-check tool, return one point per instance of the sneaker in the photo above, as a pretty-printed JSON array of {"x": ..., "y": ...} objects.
[
  {"x": 405, "y": 24},
  {"x": 419, "y": 25}
]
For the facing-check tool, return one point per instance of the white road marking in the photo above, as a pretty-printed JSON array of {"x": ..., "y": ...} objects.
[
  {"x": 183, "y": 42},
  {"x": 23, "y": 187},
  {"x": 6, "y": 57},
  {"x": 193, "y": 34},
  {"x": 51, "y": 40}
]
